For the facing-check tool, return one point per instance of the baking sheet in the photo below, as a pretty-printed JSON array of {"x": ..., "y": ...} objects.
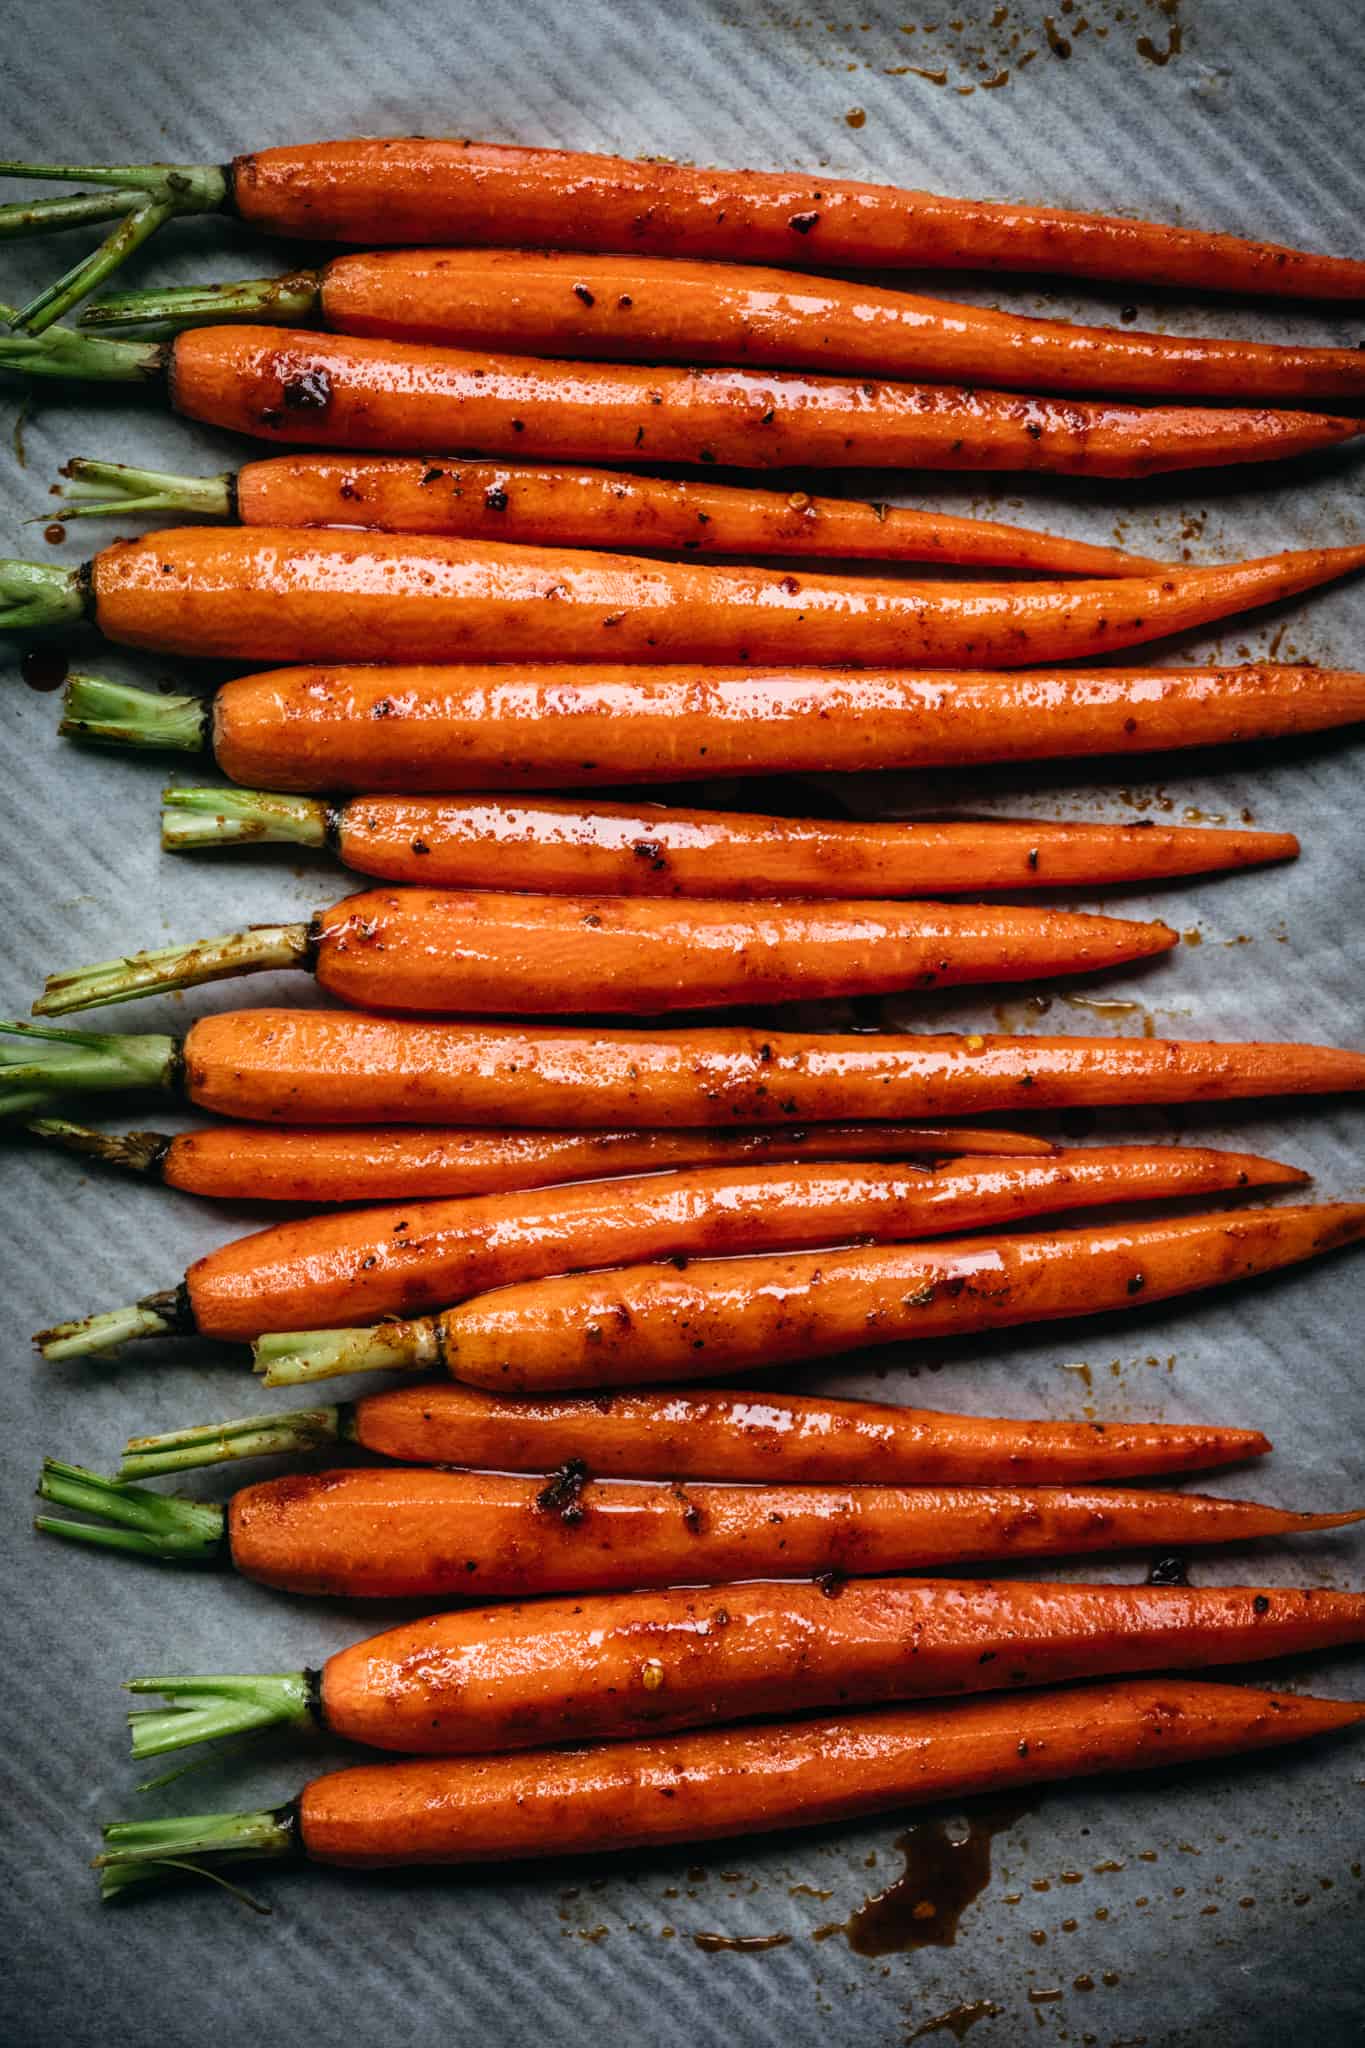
[{"x": 1222, "y": 1907}]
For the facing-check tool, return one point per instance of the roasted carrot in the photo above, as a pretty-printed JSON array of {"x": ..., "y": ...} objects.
[
  {"x": 394, "y": 1533},
  {"x": 560, "y": 727},
  {"x": 541, "y": 302},
  {"x": 324, "y": 1270},
  {"x": 243, "y": 1162},
  {"x": 648, "y": 849},
  {"x": 652, "y": 1323},
  {"x": 720, "y": 1782},
  {"x": 396, "y": 397},
  {"x": 483, "y": 952},
  {"x": 416, "y": 190},
  {"x": 682, "y": 1433},
  {"x": 536, "y": 503},
  {"x": 316, "y": 1067},
  {"x": 280, "y": 594},
  {"x": 630, "y": 1664}
]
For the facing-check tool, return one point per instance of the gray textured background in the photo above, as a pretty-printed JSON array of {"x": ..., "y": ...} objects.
[{"x": 1250, "y": 1930}]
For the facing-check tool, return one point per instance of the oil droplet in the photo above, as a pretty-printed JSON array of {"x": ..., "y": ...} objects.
[
  {"x": 1192, "y": 936},
  {"x": 947, "y": 1865},
  {"x": 54, "y": 534},
  {"x": 739, "y": 1944},
  {"x": 44, "y": 668},
  {"x": 1102, "y": 1006},
  {"x": 1043, "y": 1997},
  {"x": 856, "y": 117}
]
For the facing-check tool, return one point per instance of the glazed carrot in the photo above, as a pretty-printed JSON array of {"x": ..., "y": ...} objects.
[
  {"x": 243, "y": 1162},
  {"x": 416, "y": 190},
  {"x": 630, "y": 1664},
  {"x": 560, "y": 727},
  {"x": 394, "y": 1533},
  {"x": 483, "y": 952},
  {"x": 316, "y": 1067},
  {"x": 652, "y": 1323},
  {"x": 543, "y": 505},
  {"x": 324, "y": 1270},
  {"x": 276, "y": 594},
  {"x": 648, "y": 849},
  {"x": 395, "y": 397},
  {"x": 723, "y": 1782},
  {"x": 635, "y": 308},
  {"x": 682, "y": 1433}
]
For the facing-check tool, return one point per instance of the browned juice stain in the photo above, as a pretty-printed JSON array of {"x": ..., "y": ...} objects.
[
  {"x": 956, "y": 2021},
  {"x": 54, "y": 533},
  {"x": 856, "y": 117},
  {"x": 738, "y": 1944},
  {"x": 947, "y": 1865},
  {"x": 1175, "y": 37},
  {"x": 44, "y": 668}
]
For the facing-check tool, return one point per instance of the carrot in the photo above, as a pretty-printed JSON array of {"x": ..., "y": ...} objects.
[
  {"x": 681, "y": 1433},
  {"x": 646, "y": 849},
  {"x": 242, "y": 1162},
  {"x": 416, "y": 190},
  {"x": 395, "y": 1533},
  {"x": 275, "y": 594},
  {"x": 327, "y": 1067},
  {"x": 651, "y": 1323},
  {"x": 631, "y": 1664},
  {"x": 324, "y": 1270},
  {"x": 543, "y": 505},
  {"x": 485, "y": 952},
  {"x": 723, "y": 1782},
  {"x": 395, "y": 397},
  {"x": 560, "y": 727},
  {"x": 637, "y": 308}
]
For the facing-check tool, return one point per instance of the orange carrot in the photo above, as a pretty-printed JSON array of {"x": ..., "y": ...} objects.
[
  {"x": 651, "y": 1323},
  {"x": 394, "y": 397},
  {"x": 243, "y": 1162},
  {"x": 574, "y": 507},
  {"x": 416, "y": 190},
  {"x": 320, "y": 1271},
  {"x": 483, "y": 952},
  {"x": 637, "y": 308},
  {"x": 315, "y": 1067},
  {"x": 280, "y": 594},
  {"x": 393, "y": 1533},
  {"x": 725, "y": 1782},
  {"x": 684, "y": 1433},
  {"x": 561, "y": 727},
  {"x": 647, "y": 849},
  {"x": 630, "y": 1664}
]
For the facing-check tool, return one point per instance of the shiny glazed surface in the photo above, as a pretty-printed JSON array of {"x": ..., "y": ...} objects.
[
  {"x": 416, "y": 189},
  {"x": 484, "y": 952},
  {"x": 323, "y": 1272},
  {"x": 654, "y": 1323},
  {"x": 543, "y": 843},
  {"x": 560, "y": 727},
  {"x": 316, "y": 1066},
  {"x": 516, "y": 1676},
  {"x": 342, "y": 391},
  {"x": 638, "y": 308}
]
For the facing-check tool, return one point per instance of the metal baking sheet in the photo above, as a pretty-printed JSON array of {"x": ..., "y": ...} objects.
[{"x": 1220, "y": 1908}]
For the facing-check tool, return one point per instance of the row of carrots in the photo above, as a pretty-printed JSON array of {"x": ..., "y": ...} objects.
[{"x": 591, "y": 1222}]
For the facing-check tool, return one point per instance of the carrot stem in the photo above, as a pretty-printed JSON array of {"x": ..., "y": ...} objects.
[
  {"x": 132, "y": 1518},
  {"x": 227, "y": 817},
  {"x": 64, "y": 353},
  {"x": 291, "y": 1358},
  {"x": 149, "y": 1851},
  {"x": 115, "y": 715},
  {"x": 39, "y": 1066},
  {"x": 285, "y": 301},
  {"x": 145, "y": 195},
  {"x": 291, "y": 1434},
  {"x": 93, "y": 1336},
  {"x": 257, "y": 950},
  {"x": 34, "y": 596},
  {"x": 207, "y": 1709},
  {"x": 99, "y": 489},
  {"x": 134, "y": 1151}
]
